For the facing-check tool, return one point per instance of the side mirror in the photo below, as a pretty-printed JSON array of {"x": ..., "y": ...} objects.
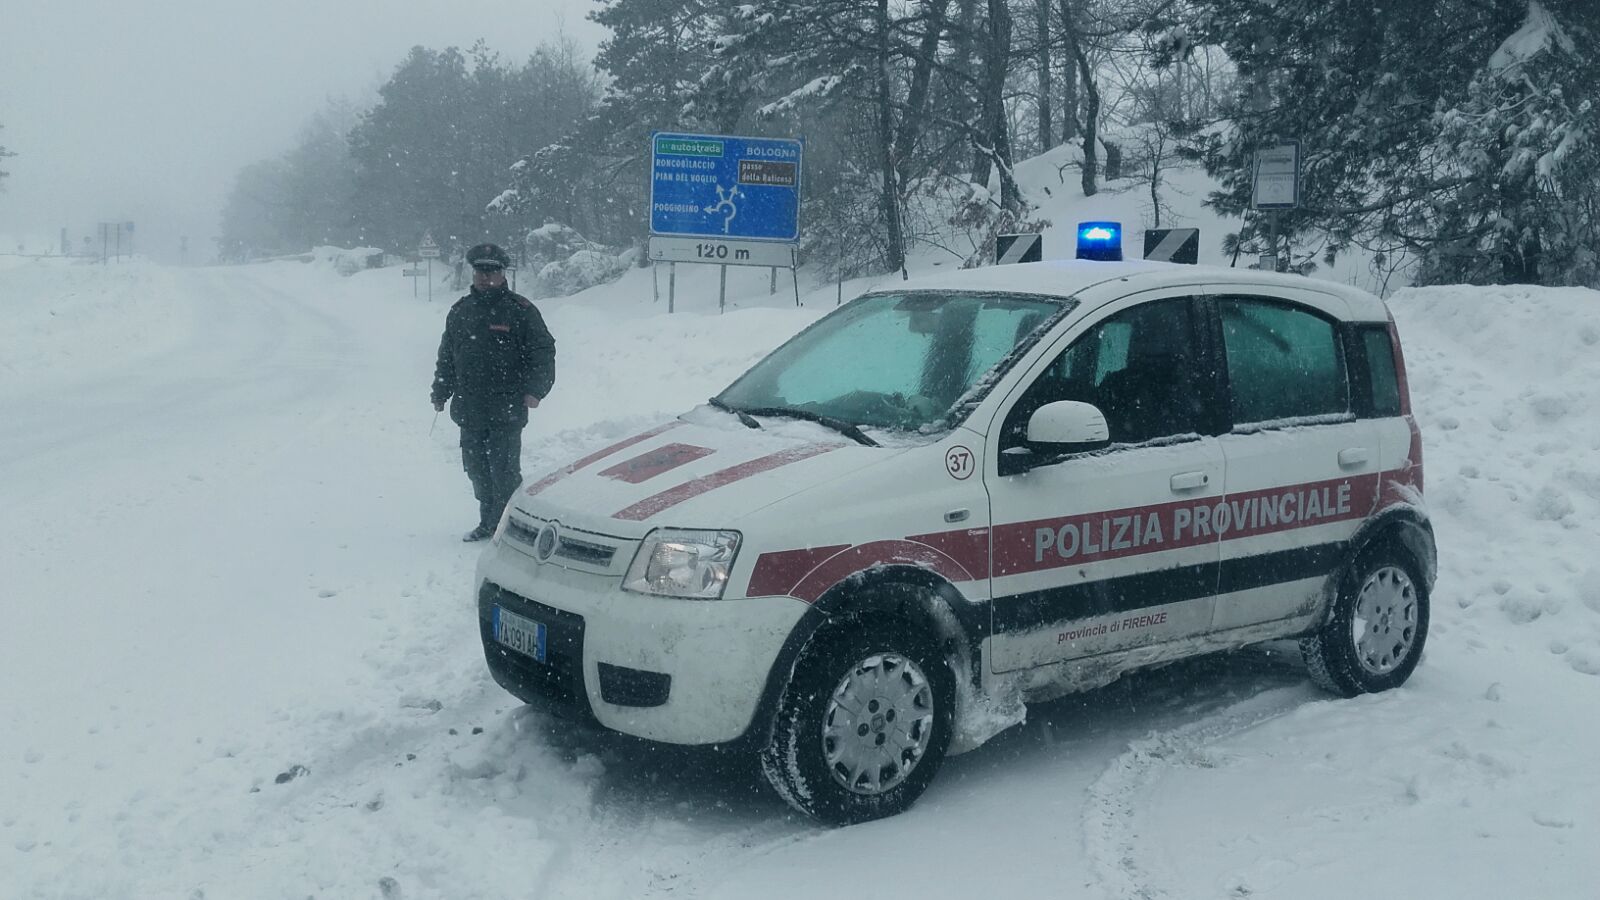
[{"x": 1069, "y": 425}]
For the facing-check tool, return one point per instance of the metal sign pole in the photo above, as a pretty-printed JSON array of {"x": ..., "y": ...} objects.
[
  {"x": 672, "y": 285},
  {"x": 772, "y": 288},
  {"x": 430, "y": 279},
  {"x": 655, "y": 283},
  {"x": 722, "y": 291}
]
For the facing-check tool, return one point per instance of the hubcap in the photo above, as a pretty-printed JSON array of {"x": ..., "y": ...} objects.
[
  {"x": 1385, "y": 622},
  {"x": 878, "y": 723}
]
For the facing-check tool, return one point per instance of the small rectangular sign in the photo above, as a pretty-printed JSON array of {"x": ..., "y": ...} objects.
[
  {"x": 413, "y": 272},
  {"x": 760, "y": 171},
  {"x": 1018, "y": 248},
  {"x": 1277, "y": 177},
  {"x": 671, "y": 146},
  {"x": 1178, "y": 245},
  {"x": 729, "y": 253}
]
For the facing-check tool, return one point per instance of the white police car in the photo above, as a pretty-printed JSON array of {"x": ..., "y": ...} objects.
[{"x": 959, "y": 494}]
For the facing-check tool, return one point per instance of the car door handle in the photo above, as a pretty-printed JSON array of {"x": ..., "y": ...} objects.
[
  {"x": 1189, "y": 481},
  {"x": 1351, "y": 457}
]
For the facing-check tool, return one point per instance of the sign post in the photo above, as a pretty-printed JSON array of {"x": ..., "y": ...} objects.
[
  {"x": 429, "y": 251},
  {"x": 1276, "y": 186},
  {"x": 413, "y": 273},
  {"x": 725, "y": 200}
]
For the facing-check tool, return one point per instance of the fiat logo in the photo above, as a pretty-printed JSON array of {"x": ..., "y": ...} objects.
[{"x": 544, "y": 546}]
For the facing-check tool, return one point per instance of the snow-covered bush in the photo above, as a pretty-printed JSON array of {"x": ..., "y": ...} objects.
[
  {"x": 565, "y": 262},
  {"x": 348, "y": 261}
]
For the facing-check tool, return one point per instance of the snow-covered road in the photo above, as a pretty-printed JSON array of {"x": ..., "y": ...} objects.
[{"x": 238, "y": 655}]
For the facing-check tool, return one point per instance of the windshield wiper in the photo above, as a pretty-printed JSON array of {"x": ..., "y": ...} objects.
[
  {"x": 849, "y": 430},
  {"x": 744, "y": 417}
]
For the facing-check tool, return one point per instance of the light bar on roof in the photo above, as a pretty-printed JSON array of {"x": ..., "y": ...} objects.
[{"x": 1100, "y": 241}]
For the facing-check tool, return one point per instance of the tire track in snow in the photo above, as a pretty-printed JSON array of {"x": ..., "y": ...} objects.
[{"x": 1111, "y": 823}]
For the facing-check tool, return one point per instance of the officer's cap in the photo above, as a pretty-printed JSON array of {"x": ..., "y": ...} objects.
[{"x": 487, "y": 256}]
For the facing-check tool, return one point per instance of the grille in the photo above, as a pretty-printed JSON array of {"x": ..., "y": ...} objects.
[
  {"x": 585, "y": 552},
  {"x": 591, "y": 550}
]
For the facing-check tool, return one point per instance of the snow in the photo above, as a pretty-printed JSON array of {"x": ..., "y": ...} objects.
[
  {"x": 1539, "y": 32},
  {"x": 239, "y": 654}
]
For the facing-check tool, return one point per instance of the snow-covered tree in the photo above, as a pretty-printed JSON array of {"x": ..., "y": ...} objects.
[
  {"x": 1385, "y": 99},
  {"x": 877, "y": 67},
  {"x": 594, "y": 176},
  {"x": 1526, "y": 140},
  {"x": 436, "y": 149}
]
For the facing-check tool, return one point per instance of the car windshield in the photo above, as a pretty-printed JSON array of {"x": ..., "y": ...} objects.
[{"x": 911, "y": 361}]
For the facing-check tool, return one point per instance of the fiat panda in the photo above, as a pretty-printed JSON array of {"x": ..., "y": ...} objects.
[{"x": 954, "y": 496}]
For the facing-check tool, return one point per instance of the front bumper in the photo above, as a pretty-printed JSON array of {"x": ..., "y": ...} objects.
[{"x": 670, "y": 670}]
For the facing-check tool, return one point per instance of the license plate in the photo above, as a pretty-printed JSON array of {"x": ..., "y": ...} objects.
[{"x": 520, "y": 633}]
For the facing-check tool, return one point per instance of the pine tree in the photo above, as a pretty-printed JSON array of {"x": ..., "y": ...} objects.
[
  {"x": 594, "y": 176},
  {"x": 1527, "y": 138},
  {"x": 1381, "y": 97}
]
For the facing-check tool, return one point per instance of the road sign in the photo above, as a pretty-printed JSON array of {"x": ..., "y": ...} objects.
[
  {"x": 1277, "y": 177},
  {"x": 725, "y": 187},
  {"x": 413, "y": 272},
  {"x": 428, "y": 249},
  {"x": 1179, "y": 245},
  {"x": 730, "y": 253},
  {"x": 1015, "y": 248}
]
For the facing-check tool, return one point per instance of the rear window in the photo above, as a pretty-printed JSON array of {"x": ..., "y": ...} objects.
[
  {"x": 1385, "y": 385},
  {"x": 1283, "y": 361}
]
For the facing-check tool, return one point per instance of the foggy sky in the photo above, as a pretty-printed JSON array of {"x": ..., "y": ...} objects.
[{"x": 121, "y": 110}]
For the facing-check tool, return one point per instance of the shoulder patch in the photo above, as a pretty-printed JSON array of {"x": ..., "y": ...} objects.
[{"x": 523, "y": 302}]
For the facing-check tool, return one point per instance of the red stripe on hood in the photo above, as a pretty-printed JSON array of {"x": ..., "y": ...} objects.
[
  {"x": 655, "y": 462},
  {"x": 667, "y": 499},
  {"x": 596, "y": 456}
]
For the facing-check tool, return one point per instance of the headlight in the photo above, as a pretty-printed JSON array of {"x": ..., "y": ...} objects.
[
  {"x": 675, "y": 562},
  {"x": 505, "y": 517}
]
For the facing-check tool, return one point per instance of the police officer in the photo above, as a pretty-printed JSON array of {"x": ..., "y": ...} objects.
[{"x": 496, "y": 361}]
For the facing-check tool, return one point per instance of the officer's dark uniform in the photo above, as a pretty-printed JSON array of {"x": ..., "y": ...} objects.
[{"x": 495, "y": 350}]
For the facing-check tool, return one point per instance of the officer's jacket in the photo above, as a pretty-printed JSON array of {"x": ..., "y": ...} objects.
[{"x": 495, "y": 349}]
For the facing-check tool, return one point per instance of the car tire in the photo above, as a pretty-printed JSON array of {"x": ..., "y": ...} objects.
[
  {"x": 864, "y": 723},
  {"x": 1373, "y": 637}
]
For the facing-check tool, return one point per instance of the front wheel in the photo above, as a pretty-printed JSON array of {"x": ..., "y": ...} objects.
[
  {"x": 863, "y": 725},
  {"x": 1373, "y": 637}
]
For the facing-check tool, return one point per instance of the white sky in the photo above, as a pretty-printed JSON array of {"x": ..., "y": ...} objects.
[{"x": 136, "y": 111}]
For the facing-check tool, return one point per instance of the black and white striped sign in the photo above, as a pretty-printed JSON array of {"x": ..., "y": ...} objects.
[
  {"x": 1018, "y": 248},
  {"x": 1179, "y": 245}
]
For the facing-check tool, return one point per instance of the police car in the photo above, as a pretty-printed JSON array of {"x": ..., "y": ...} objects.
[{"x": 953, "y": 496}]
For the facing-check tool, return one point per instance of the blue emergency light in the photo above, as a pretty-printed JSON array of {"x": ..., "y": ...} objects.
[{"x": 1100, "y": 241}]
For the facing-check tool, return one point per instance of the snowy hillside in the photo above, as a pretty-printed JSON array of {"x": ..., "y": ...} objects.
[{"x": 239, "y": 655}]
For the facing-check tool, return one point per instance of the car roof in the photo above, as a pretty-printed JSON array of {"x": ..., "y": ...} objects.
[{"x": 1067, "y": 277}]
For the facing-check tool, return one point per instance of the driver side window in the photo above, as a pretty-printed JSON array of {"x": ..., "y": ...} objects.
[{"x": 1137, "y": 367}]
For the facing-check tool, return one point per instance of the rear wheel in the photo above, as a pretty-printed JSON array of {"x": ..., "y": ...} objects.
[
  {"x": 863, "y": 725},
  {"x": 1374, "y": 635}
]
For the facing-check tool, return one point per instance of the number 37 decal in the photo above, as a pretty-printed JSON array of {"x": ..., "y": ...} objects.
[{"x": 959, "y": 462}]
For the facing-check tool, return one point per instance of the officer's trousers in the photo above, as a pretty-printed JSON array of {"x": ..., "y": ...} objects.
[{"x": 493, "y": 460}]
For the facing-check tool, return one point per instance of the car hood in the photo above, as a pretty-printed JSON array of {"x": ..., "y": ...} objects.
[{"x": 693, "y": 472}]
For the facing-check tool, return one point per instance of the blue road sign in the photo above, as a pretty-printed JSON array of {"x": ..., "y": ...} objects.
[{"x": 716, "y": 186}]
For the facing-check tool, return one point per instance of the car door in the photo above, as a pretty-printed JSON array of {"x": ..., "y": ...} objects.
[
  {"x": 1301, "y": 467},
  {"x": 1095, "y": 552}
]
